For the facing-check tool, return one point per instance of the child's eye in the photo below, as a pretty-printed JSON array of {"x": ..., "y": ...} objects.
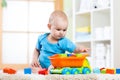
[
  {"x": 64, "y": 30},
  {"x": 58, "y": 29}
]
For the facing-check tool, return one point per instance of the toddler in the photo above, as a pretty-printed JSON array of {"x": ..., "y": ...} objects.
[{"x": 54, "y": 42}]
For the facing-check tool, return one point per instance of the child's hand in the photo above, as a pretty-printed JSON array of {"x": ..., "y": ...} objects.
[
  {"x": 81, "y": 50},
  {"x": 36, "y": 69},
  {"x": 35, "y": 63},
  {"x": 50, "y": 67},
  {"x": 84, "y": 50},
  {"x": 35, "y": 66}
]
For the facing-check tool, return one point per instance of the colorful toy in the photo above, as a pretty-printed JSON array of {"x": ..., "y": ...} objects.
[
  {"x": 103, "y": 70},
  {"x": 96, "y": 70},
  {"x": 27, "y": 70},
  {"x": 118, "y": 71},
  {"x": 70, "y": 64},
  {"x": 43, "y": 71},
  {"x": 9, "y": 70},
  {"x": 110, "y": 71},
  {"x": 106, "y": 70}
]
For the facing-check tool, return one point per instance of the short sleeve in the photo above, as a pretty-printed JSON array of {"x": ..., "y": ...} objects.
[
  {"x": 67, "y": 45},
  {"x": 38, "y": 45},
  {"x": 40, "y": 38}
]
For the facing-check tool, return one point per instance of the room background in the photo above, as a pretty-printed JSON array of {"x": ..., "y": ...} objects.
[{"x": 95, "y": 25}]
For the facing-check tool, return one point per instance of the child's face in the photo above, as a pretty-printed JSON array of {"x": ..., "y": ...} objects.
[{"x": 59, "y": 29}]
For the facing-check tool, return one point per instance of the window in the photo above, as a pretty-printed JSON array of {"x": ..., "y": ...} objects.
[{"x": 22, "y": 21}]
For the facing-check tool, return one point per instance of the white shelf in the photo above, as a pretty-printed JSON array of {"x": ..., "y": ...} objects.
[
  {"x": 85, "y": 41},
  {"x": 102, "y": 40},
  {"x": 101, "y": 9},
  {"x": 83, "y": 13},
  {"x": 104, "y": 25}
]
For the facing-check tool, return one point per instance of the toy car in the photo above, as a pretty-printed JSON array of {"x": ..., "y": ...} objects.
[{"x": 70, "y": 64}]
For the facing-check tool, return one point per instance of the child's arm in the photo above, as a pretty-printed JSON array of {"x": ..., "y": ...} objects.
[{"x": 35, "y": 62}]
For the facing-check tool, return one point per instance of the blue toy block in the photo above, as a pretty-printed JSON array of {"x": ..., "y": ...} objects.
[
  {"x": 69, "y": 55},
  {"x": 96, "y": 70},
  {"x": 27, "y": 70},
  {"x": 118, "y": 71}
]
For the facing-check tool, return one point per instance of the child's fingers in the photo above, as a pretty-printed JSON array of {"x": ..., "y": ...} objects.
[
  {"x": 50, "y": 67},
  {"x": 86, "y": 50},
  {"x": 86, "y": 54},
  {"x": 36, "y": 64}
]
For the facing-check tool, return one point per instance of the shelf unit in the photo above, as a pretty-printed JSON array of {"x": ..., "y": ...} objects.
[{"x": 104, "y": 36}]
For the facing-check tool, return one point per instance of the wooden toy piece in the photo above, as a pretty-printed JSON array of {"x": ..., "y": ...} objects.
[
  {"x": 9, "y": 70},
  {"x": 118, "y": 71},
  {"x": 103, "y": 70},
  {"x": 96, "y": 70},
  {"x": 110, "y": 71},
  {"x": 43, "y": 71},
  {"x": 63, "y": 55},
  {"x": 68, "y": 55},
  {"x": 27, "y": 70}
]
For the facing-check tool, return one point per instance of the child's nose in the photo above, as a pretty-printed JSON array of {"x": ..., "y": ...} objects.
[{"x": 61, "y": 32}]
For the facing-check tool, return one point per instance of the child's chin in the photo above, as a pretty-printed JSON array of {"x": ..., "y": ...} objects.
[{"x": 60, "y": 38}]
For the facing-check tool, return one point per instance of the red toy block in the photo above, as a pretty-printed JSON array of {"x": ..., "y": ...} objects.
[
  {"x": 110, "y": 71},
  {"x": 102, "y": 68},
  {"x": 9, "y": 71},
  {"x": 43, "y": 71}
]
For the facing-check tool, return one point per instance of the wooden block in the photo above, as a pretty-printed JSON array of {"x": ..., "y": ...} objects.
[{"x": 110, "y": 71}]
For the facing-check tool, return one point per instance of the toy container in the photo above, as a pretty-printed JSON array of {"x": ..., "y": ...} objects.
[
  {"x": 58, "y": 60},
  {"x": 70, "y": 64}
]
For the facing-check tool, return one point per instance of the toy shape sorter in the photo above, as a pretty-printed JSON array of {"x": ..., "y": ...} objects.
[{"x": 70, "y": 64}]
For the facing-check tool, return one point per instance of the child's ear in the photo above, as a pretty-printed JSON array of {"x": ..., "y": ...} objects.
[{"x": 49, "y": 26}]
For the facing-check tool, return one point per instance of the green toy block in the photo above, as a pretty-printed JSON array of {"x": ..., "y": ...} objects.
[
  {"x": 103, "y": 71},
  {"x": 63, "y": 55},
  {"x": 79, "y": 55}
]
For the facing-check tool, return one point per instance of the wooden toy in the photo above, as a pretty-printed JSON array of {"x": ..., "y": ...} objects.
[
  {"x": 103, "y": 70},
  {"x": 27, "y": 71},
  {"x": 118, "y": 71},
  {"x": 110, "y": 71},
  {"x": 43, "y": 71},
  {"x": 96, "y": 70},
  {"x": 9, "y": 70}
]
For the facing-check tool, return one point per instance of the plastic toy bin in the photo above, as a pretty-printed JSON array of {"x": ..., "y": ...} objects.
[{"x": 72, "y": 61}]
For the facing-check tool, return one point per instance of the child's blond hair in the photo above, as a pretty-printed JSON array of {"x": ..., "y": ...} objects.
[{"x": 57, "y": 15}]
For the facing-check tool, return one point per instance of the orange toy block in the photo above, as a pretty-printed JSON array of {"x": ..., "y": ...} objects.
[
  {"x": 9, "y": 71},
  {"x": 110, "y": 71}
]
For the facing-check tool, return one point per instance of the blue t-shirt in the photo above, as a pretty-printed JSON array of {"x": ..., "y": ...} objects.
[{"x": 48, "y": 49}]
